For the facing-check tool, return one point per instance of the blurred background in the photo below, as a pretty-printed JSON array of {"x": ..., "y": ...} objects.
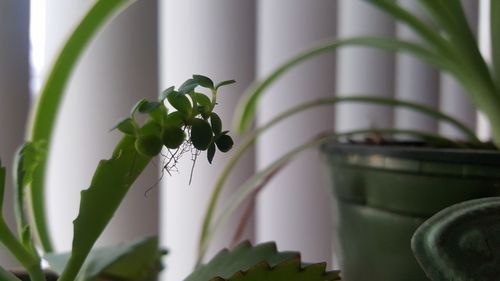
[{"x": 156, "y": 44}]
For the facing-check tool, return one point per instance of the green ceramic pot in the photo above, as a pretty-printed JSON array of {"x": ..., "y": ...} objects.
[{"x": 383, "y": 193}]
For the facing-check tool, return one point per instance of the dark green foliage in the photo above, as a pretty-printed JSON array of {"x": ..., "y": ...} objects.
[
  {"x": 203, "y": 81},
  {"x": 201, "y": 134},
  {"x": 224, "y": 143},
  {"x": 126, "y": 126},
  {"x": 216, "y": 123},
  {"x": 262, "y": 262},
  {"x": 173, "y": 136}
]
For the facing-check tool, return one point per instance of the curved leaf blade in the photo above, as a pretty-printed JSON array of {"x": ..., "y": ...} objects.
[
  {"x": 46, "y": 110},
  {"x": 246, "y": 108}
]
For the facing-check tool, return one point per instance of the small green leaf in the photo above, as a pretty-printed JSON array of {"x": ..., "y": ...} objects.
[
  {"x": 224, "y": 143},
  {"x": 148, "y": 141},
  {"x": 211, "y": 152},
  {"x": 149, "y": 106},
  {"x": 188, "y": 86},
  {"x": 159, "y": 114},
  {"x": 175, "y": 119},
  {"x": 167, "y": 92},
  {"x": 216, "y": 123},
  {"x": 202, "y": 99},
  {"x": 203, "y": 81},
  {"x": 201, "y": 134},
  {"x": 136, "y": 107},
  {"x": 180, "y": 102},
  {"x": 126, "y": 126},
  {"x": 148, "y": 145},
  {"x": 173, "y": 136},
  {"x": 224, "y": 83}
]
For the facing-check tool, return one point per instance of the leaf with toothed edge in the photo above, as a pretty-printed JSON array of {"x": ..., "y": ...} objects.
[{"x": 260, "y": 262}]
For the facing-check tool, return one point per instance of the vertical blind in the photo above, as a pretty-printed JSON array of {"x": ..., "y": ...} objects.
[{"x": 155, "y": 44}]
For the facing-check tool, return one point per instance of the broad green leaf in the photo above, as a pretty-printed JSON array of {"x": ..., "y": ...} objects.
[
  {"x": 224, "y": 83},
  {"x": 110, "y": 183},
  {"x": 203, "y": 81},
  {"x": 126, "y": 126},
  {"x": 49, "y": 101},
  {"x": 180, "y": 102},
  {"x": 246, "y": 109},
  {"x": 136, "y": 261},
  {"x": 495, "y": 40},
  {"x": 188, "y": 86},
  {"x": 243, "y": 257}
]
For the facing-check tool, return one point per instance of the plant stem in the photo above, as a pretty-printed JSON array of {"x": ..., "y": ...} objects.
[{"x": 30, "y": 262}]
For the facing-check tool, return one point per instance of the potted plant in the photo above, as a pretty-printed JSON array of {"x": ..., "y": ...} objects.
[
  {"x": 191, "y": 124},
  {"x": 386, "y": 189}
]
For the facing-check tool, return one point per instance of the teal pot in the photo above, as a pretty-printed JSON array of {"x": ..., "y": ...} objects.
[{"x": 384, "y": 192}]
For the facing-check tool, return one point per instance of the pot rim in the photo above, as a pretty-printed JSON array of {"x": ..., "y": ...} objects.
[{"x": 414, "y": 151}]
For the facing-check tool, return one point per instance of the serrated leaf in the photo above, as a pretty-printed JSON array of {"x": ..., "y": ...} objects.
[
  {"x": 180, "y": 102},
  {"x": 188, "y": 86},
  {"x": 203, "y": 81},
  {"x": 243, "y": 257},
  {"x": 286, "y": 271},
  {"x": 224, "y": 83},
  {"x": 211, "y": 152},
  {"x": 126, "y": 126},
  {"x": 110, "y": 183},
  {"x": 136, "y": 261},
  {"x": 166, "y": 92}
]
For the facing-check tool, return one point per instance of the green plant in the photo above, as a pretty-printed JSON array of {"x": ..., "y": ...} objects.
[
  {"x": 193, "y": 123},
  {"x": 448, "y": 45}
]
